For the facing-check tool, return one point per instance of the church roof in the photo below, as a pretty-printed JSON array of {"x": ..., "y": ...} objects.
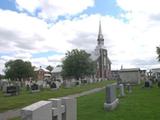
[
  {"x": 108, "y": 60},
  {"x": 94, "y": 56}
]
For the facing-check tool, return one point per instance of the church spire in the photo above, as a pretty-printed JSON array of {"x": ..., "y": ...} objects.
[
  {"x": 100, "y": 35},
  {"x": 100, "y": 29}
]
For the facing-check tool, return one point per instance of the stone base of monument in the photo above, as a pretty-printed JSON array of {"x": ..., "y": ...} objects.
[{"x": 111, "y": 106}]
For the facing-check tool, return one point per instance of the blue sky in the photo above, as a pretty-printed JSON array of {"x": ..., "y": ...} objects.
[
  {"x": 105, "y": 7},
  {"x": 42, "y": 31},
  {"x": 8, "y": 5}
]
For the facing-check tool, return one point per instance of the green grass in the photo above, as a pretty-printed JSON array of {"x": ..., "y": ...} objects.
[
  {"x": 141, "y": 104},
  {"x": 16, "y": 118},
  {"x": 25, "y": 98}
]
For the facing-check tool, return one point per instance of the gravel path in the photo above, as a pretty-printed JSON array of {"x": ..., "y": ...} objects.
[{"x": 15, "y": 113}]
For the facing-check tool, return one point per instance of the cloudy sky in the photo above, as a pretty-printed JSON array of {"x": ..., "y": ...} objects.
[{"x": 41, "y": 31}]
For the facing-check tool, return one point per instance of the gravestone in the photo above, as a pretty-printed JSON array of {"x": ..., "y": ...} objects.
[
  {"x": 35, "y": 88},
  {"x": 4, "y": 85},
  {"x": 41, "y": 110},
  {"x": 54, "y": 109},
  {"x": 148, "y": 84},
  {"x": 111, "y": 99},
  {"x": 158, "y": 83},
  {"x": 4, "y": 88},
  {"x": 68, "y": 83},
  {"x": 40, "y": 83},
  {"x": 70, "y": 108},
  {"x": 64, "y": 109},
  {"x": 121, "y": 88},
  {"x": 1, "y": 85},
  {"x": 129, "y": 87},
  {"x": 57, "y": 109},
  {"x": 27, "y": 87},
  {"x": 53, "y": 86},
  {"x": 119, "y": 80},
  {"x": 12, "y": 90}
]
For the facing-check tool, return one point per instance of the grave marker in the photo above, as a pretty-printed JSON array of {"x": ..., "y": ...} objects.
[
  {"x": 41, "y": 110},
  {"x": 35, "y": 88},
  {"x": 54, "y": 109},
  {"x": 148, "y": 84},
  {"x": 121, "y": 87},
  {"x": 111, "y": 99}
]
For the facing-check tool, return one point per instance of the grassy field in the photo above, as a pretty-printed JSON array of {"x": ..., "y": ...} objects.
[
  {"x": 141, "y": 104},
  {"x": 26, "y": 98}
]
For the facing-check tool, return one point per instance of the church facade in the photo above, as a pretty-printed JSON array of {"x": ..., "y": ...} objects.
[{"x": 100, "y": 56}]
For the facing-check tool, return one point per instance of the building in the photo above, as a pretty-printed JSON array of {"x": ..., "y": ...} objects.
[
  {"x": 131, "y": 75},
  {"x": 42, "y": 73},
  {"x": 100, "y": 56},
  {"x": 114, "y": 74}
]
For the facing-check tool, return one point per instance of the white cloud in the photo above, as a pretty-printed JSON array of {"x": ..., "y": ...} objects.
[
  {"x": 52, "y": 9},
  {"x": 29, "y": 5},
  {"x": 130, "y": 43},
  {"x": 20, "y": 32},
  {"x": 140, "y": 6},
  {"x": 143, "y": 26},
  {"x": 55, "y": 8},
  {"x": 45, "y": 61}
]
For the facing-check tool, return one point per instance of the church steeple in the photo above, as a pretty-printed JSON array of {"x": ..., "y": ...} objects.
[
  {"x": 100, "y": 29},
  {"x": 100, "y": 36}
]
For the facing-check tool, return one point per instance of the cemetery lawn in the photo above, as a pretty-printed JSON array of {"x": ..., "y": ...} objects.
[
  {"x": 141, "y": 104},
  {"x": 26, "y": 98}
]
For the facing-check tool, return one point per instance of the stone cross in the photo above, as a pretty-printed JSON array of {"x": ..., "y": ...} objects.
[
  {"x": 70, "y": 108},
  {"x": 54, "y": 109},
  {"x": 57, "y": 109}
]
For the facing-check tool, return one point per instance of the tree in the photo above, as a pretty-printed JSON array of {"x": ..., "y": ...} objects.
[
  {"x": 19, "y": 69},
  {"x": 1, "y": 76},
  {"x": 49, "y": 67},
  {"x": 158, "y": 52},
  {"x": 77, "y": 64}
]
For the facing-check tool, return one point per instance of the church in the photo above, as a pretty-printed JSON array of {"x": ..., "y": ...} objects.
[{"x": 100, "y": 56}]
